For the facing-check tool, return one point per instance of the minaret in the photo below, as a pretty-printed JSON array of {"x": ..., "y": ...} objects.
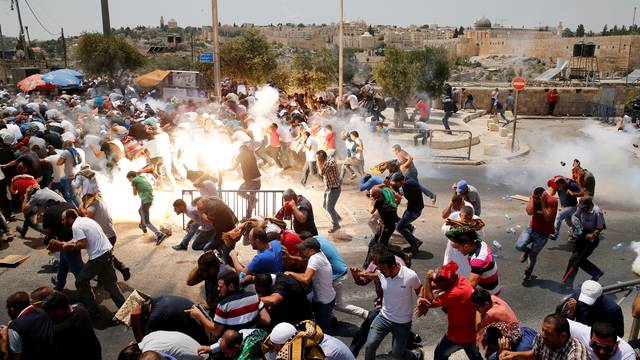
[{"x": 161, "y": 22}]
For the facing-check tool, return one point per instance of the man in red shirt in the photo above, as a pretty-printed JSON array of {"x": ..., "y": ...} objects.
[
  {"x": 542, "y": 208},
  {"x": 461, "y": 313},
  {"x": 552, "y": 100},
  {"x": 330, "y": 138}
]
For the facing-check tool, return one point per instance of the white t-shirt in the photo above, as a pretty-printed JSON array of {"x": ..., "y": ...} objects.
[
  {"x": 153, "y": 147},
  {"x": 322, "y": 280},
  {"x": 58, "y": 170},
  {"x": 97, "y": 241},
  {"x": 335, "y": 349},
  {"x": 359, "y": 154},
  {"x": 284, "y": 131},
  {"x": 312, "y": 145},
  {"x": 397, "y": 299},
  {"x": 173, "y": 343},
  {"x": 353, "y": 101},
  {"x": 582, "y": 332}
]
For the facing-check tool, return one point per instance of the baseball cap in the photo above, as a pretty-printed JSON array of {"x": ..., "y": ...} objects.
[
  {"x": 281, "y": 333},
  {"x": 309, "y": 243},
  {"x": 461, "y": 186},
  {"x": 590, "y": 291}
]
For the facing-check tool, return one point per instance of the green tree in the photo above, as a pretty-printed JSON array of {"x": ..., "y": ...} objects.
[
  {"x": 580, "y": 31},
  {"x": 111, "y": 55},
  {"x": 398, "y": 75},
  {"x": 605, "y": 30},
  {"x": 370, "y": 30},
  {"x": 248, "y": 57},
  {"x": 167, "y": 62},
  {"x": 567, "y": 33},
  {"x": 434, "y": 69},
  {"x": 313, "y": 70}
]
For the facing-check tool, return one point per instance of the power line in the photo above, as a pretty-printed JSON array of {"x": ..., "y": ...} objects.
[{"x": 38, "y": 20}]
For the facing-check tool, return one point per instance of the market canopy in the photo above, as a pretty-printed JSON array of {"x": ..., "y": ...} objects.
[
  {"x": 151, "y": 79},
  {"x": 34, "y": 82},
  {"x": 64, "y": 78}
]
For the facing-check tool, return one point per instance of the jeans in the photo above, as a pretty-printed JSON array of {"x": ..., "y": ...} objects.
[
  {"x": 564, "y": 215},
  {"x": 403, "y": 227},
  {"x": 382, "y": 235},
  {"x": 531, "y": 242},
  {"x": 191, "y": 231},
  {"x": 309, "y": 167},
  {"x": 67, "y": 191},
  {"x": 251, "y": 197},
  {"x": 117, "y": 264},
  {"x": 29, "y": 223},
  {"x": 204, "y": 240},
  {"x": 340, "y": 305},
  {"x": 380, "y": 327},
  {"x": 322, "y": 314},
  {"x": 360, "y": 337},
  {"x": 580, "y": 259},
  {"x": 69, "y": 261},
  {"x": 330, "y": 199},
  {"x": 445, "y": 119},
  {"x": 446, "y": 348},
  {"x": 102, "y": 266},
  {"x": 144, "y": 218},
  {"x": 469, "y": 102}
]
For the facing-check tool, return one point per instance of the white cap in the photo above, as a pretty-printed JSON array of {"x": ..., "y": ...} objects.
[
  {"x": 590, "y": 291},
  {"x": 282, "y": 333}
]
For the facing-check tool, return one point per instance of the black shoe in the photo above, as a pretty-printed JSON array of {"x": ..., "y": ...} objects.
[
  {"x": 126, "y": 274},
  {"x": 553, "y": 237},
  {"x": 527, "y": 276},
  {"x": 143, "y": 228},
  {"x": 524, "y": 257},
  {"x": 597, "y": 277},
  {"x": 179, "y": 247},
  {"x": 334, "y": 229},
  {"x": 160, "y": 238}
]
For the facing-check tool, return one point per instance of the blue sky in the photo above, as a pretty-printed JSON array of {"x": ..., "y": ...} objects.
[{"x": 77, "y": 16}]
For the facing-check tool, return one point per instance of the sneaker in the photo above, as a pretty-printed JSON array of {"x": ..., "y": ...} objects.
[
  {"x": 179, "y": 247},
  {"x": 160, "y": 238},
  {"x": 126, "y": 274},
  {"x": 553, "y": 237},
  {"x": 420, "y": 352},
  {"x": 524, "y": 257},
  {"x": 143, "y": 228},
  {"x": 433, "y": 201},
  {"x": 527, "y": 276},
  {"x": 334, "y": 229}
]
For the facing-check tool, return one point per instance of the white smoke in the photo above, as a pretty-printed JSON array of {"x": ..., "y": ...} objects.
[
  {"x": 635, "y": 246},
  {"x": 266, "y": 105}
]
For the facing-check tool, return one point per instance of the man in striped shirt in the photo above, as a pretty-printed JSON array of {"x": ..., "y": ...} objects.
[
  {"x": 484, "y": 270},
  {"x": 239, "y": 309}
]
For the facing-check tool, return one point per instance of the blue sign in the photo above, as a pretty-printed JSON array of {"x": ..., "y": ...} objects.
[{"x": 206, "y": 58}]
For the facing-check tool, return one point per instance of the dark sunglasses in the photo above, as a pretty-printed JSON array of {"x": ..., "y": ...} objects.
[{"x": 605, "y": 348}]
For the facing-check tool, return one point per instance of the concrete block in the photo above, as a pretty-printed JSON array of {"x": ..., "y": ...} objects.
[
  {"x": 491, "y": 149},
  {"x": 493, "y": 127},
  {"x": 504, "y": 132}
]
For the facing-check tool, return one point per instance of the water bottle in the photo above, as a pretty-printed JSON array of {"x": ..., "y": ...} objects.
[
  {"x": 507, "y": 216},
  {"x": 511, "y": 231},
  {"x": 617, "y": 246},
  {"x": 496, "y": 247}
]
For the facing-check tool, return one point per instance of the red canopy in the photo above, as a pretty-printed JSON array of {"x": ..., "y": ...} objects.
[{"x": 34, "y": 82}]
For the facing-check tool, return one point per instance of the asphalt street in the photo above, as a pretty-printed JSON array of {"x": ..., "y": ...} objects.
[{"x": 159, "y": 270}]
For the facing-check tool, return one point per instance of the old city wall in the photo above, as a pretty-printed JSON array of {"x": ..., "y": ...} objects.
[{"x": 572, "y": 101}]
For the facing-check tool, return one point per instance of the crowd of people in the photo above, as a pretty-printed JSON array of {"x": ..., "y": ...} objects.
[{"x": 56, "y": 152}]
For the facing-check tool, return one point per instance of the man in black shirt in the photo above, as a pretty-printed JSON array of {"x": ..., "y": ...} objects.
[
  {"x": 285, "y": 298},
  {"x": 208, "y": 269},
  {"x": 215, "y": 212},
  {"x": 73, "y": 334},
  {"x": 251, "y": 176},
  {"x": 53, "y": 228},
  {"x": 30, "y": 331},
  {"x": 412, "y": 192},
  {"x": 298, "y": 208}
]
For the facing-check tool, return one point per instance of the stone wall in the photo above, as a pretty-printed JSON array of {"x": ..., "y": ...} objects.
[{"x": 571, "y": 101}]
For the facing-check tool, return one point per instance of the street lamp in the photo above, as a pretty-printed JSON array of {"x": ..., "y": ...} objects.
[
  {"x": 216, "y": 52},
  {"x": 341, "y": 54}
]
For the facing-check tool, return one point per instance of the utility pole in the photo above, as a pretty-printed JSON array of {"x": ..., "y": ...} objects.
[
  {"x": 1, "y": 39},
  {"x": 26, "y": 28},
  {"x": 106, "y": 23},
  {"x": 192, "y": 51},
  {"x": 341, "y": 54},
  {"x": 21, "y": 37},
  {"x": 216, "y": 51},
  {"x": 64, "y": 48},
  {"x": 626, "y": 78}
]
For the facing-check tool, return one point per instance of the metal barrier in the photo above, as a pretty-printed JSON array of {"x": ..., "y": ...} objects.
[
  {"x": 470, "y": 138},
  {"x": 604, "y": 112},
  {"x": 627, "y": 287},
  {"x": 269, "y": 201}
]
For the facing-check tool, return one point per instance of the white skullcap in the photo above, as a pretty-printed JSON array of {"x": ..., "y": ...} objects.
[{"x": 282, "y": 332}]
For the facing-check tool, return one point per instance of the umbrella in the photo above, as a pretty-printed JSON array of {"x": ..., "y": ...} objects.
[
  {"x": 62, "y": 79},
  {"x": 71, "y": 72},
  {"x": 34, "y": 82}
]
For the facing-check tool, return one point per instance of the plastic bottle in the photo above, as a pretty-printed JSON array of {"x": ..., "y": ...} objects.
[
  {"x": 496, "y": 247},
  {"x": 507, "y": 216},
  {"x": 617, "y": 246}
]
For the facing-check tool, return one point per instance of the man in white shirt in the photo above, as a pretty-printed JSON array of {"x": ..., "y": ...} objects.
[
  {"x": 310, "y": 148},
  {"x": 320, "y": 276},
  {"x": 87, "y": 234},
  {"x": 601, "y": 341},
  {"x": 398, "y": 283}
]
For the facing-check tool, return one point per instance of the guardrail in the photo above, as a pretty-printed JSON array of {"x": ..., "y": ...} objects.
[
  {"x": 470, "y": 138},
  {"x": 268, "y": 201}
]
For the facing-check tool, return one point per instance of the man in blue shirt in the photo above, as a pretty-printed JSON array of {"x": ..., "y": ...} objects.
[
  {"x": 269, "y": 257},
  {"x": 368, "y": 181},
  {"x": 566, "y": 190}
]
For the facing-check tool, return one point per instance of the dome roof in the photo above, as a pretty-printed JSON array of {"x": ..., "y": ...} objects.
[{"x": 482, "y": 23}]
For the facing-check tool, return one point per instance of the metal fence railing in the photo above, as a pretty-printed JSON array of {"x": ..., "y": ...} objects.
[
  {"x": 469, "y": 143},
  {"x": 268, "y": 201},
  {"x": 606, "y": 113}
]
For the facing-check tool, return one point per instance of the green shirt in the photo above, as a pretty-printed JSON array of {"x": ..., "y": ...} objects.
[{"x": 144, "y": 188}]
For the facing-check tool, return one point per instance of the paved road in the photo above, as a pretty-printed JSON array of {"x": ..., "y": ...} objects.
[{"x": 159, "y": 270}]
